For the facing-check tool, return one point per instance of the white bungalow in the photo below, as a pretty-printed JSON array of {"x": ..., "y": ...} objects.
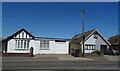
[{"x": 21, "y": 41}]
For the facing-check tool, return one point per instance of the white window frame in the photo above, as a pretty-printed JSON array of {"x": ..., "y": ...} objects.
[
  {"x": 89, "y": 47},
  {"x": 44, "y": 45},
  {"x": 21, "y": 44}
]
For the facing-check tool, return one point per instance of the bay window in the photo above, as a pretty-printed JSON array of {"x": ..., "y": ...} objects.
[{"x": 21, "y": 44}]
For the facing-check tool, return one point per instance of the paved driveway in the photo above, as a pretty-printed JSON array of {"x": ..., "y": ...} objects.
[{"x": 64, "y": 57}]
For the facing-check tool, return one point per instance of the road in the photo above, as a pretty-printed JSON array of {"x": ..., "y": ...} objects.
[{"x": 53, "y": 63}]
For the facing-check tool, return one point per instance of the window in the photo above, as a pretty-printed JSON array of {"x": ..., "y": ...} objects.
[
  {"x": 89, "y": 47},
  {"x": 116, "y": 41},
  {"x": 18, "y": 44},
  {"x": 22, "y": 44},
  {"x": 95, "y": 35},
  {"x": 44, "y": 44},
  {"x": 25, "y": 44}
]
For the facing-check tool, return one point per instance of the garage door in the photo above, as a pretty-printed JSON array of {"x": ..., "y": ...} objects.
[{"x": 61, "y": 48}]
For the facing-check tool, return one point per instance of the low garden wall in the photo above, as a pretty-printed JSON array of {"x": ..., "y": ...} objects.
[
  {"x": 93, "y": 55},
  {"x": 16, "y": 55},
  {"x": 19, "y": 54}
]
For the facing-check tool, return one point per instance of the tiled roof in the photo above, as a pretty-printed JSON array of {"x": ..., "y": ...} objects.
[
  {"x": 114, "y": 40},
  {"x": 44, "y": 38},
  {"x": 79, "y": 37}
]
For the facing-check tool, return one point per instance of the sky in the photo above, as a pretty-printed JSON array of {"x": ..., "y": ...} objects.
[
  {"x": 119, "y": 17},
  {"x": 0, "y": 19},
  {"x": 59, "y": 19}
]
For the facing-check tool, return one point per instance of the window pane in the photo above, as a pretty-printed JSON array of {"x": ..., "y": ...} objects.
[
  {"x": 21, "y": 44},
  {"x": 94, "y": 47},
  {"x": 86, "y": 47},
  {"x": 18, "y": 44},
  {"x": 89, "y": 47},
  {"x": 44, "y": 44},
  {"x": 25, "y": 44}
]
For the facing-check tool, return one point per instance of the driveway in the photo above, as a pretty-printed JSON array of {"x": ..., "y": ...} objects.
[
  {"x": 63, "y": 57},
  {"x": 112, "y": 58}
]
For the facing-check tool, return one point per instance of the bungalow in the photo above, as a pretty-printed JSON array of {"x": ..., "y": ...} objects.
[
  {"x": 115, "y": 41},
  {"x": 22, "y": 41},
  {"x": 93, "y": 40}
]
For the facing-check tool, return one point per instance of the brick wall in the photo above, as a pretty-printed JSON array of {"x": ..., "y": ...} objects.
[
  {"x": 92, "y": 55},
  {"x": 16, "y": 54},
  {"x": 19, "y": 54}
]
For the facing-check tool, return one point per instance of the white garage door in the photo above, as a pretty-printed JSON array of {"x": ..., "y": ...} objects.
[{"x": 60, "y": 48}]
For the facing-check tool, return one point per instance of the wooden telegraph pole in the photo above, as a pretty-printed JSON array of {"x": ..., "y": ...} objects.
[{"x": 83, "y": 31}]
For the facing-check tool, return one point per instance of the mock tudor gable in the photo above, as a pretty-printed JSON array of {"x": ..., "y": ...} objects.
[{"x": 21, "y": 34}]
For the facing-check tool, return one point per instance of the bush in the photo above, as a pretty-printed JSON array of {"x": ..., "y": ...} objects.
[{"x": 97, "y": 52}]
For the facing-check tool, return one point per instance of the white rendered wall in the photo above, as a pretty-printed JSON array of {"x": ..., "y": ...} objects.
[
  {"x": 54, "y": 48},
  {"x": 11, "y": 48},
  {"x": 12, "y": 44},
  {"x": 97, "y": 42}
]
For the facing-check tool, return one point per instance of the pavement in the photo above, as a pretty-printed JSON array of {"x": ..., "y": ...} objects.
[
  {"x": 60, "y": 63},
  {"x": 46, "y": 58},
  {"x": 64, "y": 57}
]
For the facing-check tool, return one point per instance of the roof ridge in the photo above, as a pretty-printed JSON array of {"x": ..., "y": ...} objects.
[{"x": 87, "y": 31}]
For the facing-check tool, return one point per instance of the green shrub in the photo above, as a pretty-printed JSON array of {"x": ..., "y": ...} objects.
[{"x": 97, "y": 52}]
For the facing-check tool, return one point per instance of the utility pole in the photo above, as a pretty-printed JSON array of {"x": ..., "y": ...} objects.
[{"x": 83, "y": 31}]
